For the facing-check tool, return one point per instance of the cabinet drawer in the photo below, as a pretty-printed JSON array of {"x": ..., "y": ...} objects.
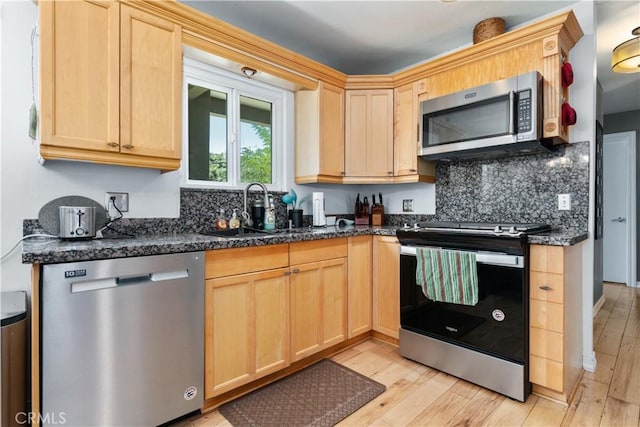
[
  {"x": 317, "y": 250},
  {"x": 546, "y": 315},
  {"x": 227, "y": 262},
  {"x": 546, "y": 286},
  {"x": 547, "y": 344},
  {"x": 546, "y": 373},
  {"x": 549, "y": 259}
]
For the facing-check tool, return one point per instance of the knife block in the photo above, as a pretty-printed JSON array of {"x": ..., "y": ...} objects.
[
  {"x": 377, "y": 215},
  {"x": 362, "y": 215}
]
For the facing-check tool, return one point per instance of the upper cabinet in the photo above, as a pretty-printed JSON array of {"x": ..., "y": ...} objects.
[
  {"x": 369, "y": 133},
  {"x": 407, "y": 166},
  {"x": 111, "y": 82},
  {"x": 319, "y": 143}
]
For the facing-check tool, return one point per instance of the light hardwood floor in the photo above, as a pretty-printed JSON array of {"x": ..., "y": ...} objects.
[{"x": 420, "y": 396}]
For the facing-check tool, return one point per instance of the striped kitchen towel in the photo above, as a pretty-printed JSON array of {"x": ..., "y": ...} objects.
[{"x": 447, "y": 276}]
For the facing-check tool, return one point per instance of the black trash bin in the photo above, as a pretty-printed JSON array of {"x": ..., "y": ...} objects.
[{"x": 14, "y": 358}]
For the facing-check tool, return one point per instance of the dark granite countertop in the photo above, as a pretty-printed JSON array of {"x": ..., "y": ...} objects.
[{"x": 51, "y": 251}]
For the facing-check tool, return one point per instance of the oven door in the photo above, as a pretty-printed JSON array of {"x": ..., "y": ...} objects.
[{"x": 496, "y": 325}]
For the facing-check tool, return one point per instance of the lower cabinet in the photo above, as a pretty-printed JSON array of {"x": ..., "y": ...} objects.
[
  {"x": 360, "y": 285},
  {"x": 386, "y": 285},
  {"x": 555, "y": 334},
  {"x": 247, "y": 319},
  {"x": 318, "y": 295}
]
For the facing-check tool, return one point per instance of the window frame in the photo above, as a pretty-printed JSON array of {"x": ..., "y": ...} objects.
[{"x": 199, "y": 73}]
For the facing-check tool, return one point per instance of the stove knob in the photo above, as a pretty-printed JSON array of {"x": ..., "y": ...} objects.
[
  {"x": 416, "y": 225},
  {"x": 498, "y": 229},
  {"x": 513, "y": 230},
  {"x": 405, "y": 225}
]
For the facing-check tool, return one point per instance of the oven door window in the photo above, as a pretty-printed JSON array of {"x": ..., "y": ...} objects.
[
  {"x": 496, "y": 325},
  {"x": 484, "y": 119}
]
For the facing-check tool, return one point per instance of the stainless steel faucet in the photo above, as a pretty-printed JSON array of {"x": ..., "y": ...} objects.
[{"x": 245, "y": 214}]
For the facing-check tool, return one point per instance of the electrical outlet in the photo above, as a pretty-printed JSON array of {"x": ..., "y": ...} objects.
[
  {"x": 564, "y": 202},
  {"x": 121, "y": 201},
  {"x": 407, "y": 205}
]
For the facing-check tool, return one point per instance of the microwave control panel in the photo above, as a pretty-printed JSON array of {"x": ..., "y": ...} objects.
[{"x": 524, "y": 111}]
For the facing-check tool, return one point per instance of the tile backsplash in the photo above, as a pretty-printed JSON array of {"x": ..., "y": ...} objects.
[{"x": 514, "y": 189}]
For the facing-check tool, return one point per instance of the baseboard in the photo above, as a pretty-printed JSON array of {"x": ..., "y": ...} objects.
[
  {"x": 589, "y": 362},
  {"x": 598, "y": 305}
]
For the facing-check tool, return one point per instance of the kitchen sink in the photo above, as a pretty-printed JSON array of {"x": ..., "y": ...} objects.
[{"x": 236, "y": 232}]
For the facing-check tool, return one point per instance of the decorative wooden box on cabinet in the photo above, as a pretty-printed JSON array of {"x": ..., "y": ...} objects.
[
  {"x": 318, "y": 295},
  {"x": 111, "y": 84},
  {"x": 555, "y": 307},
  {"x": 319, "y": 144},
  {"x": 246, "y": 315}
]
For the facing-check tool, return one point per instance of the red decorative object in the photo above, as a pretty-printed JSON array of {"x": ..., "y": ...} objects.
[
  {"x": 569, "y": 116},
  {"x": 567, "y": 74}
]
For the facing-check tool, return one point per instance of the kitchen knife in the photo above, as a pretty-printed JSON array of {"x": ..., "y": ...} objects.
[
  {"x": 380, "y": 194},
  {"x": 373, "y": 199}
]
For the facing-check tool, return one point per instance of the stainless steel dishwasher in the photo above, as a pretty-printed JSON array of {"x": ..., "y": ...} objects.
[{"x": 122, "y": 340}]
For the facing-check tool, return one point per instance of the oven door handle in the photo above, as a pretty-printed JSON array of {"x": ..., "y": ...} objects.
[{"x": 492, "y": 258}]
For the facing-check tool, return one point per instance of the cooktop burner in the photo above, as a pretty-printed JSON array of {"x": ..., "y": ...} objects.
[{"x": 494, "y": 227}]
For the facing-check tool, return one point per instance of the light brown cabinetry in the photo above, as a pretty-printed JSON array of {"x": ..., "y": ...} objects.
[
  {"x": 318, "y": 295},
  {"x": 386, "y": 285},
  {"x": 319, "y": 144},
  {"x": 111, "y": 85},
  {"x": 369, "y": 133},
  {"x": 246, "y": 316},
  {"x": 408, "y": 167},
  {"x": 555, "y": 350},
  {"x": 360, "y": 285}
]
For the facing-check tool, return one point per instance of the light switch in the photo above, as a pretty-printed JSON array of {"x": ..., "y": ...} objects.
[{"x": 564, "y": 202}]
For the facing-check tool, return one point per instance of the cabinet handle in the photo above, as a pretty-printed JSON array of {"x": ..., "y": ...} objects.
[
  {"x": 418, "y": 132},
  {"x": 287, "y": 273},
  {"x": 112, "y": 144},
  {"x": 390, "y": 173},
  {"x": 296, "y": 270},
  {"x": 413, "y": 170},
  {"x": 546, "y": 288},
  {"x": 128, "y": 146}
]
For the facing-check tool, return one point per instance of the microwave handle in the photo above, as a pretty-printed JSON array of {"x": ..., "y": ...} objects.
[{"x": 514, "y": 111}]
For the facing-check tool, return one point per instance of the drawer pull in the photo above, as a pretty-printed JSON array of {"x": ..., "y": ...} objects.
[
  {"x": 287, "y": 273},
  {"x": 112, "y": 144},
  {"x": 546, "y": 288},
  {"x": 296, "y": 270},
  {"x": 128, "y": 146}
]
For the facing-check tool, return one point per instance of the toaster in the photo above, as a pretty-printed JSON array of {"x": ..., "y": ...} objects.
[{"x": 77, "y": 222}]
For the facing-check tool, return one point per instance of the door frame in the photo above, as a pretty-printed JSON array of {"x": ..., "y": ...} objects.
[{"x": 630, "y": 141}]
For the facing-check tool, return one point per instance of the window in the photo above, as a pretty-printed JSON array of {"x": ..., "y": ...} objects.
[{"x": 234, "y": 129}]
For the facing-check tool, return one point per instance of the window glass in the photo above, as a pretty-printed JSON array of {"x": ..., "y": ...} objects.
[{"x": 255, "y": 140}]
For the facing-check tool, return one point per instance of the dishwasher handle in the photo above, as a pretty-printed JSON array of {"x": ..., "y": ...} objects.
[{"x": 94, "y": 285}]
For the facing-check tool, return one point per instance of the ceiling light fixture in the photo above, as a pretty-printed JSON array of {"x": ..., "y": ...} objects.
[
  {"x": 249, "y": 72},
  {"x": 626, "y": 56}
]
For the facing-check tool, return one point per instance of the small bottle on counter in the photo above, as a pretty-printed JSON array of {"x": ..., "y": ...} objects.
[
  {"x": 221, "y": 221},
  {"x": 234, "y": 222}
]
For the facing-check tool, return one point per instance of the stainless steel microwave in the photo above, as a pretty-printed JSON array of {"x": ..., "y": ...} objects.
[{"x": 491, "y": 120}]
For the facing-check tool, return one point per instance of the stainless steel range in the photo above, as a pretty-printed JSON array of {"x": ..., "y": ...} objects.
[{"x": 486, "y": 343}]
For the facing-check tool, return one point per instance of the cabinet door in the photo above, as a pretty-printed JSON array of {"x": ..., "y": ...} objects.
[
  {"x": 359, "y": 283},
  {"x": 369, "y": 133},
  {"x": 246, "y": 329},
  {"x": 406, "y": 131},
  {"x": 318, "y": 306},
  {"x": 386, "y": 285},
  {"x": 151, "y": 85},
  {"x": 331, "y": 130},
  {"x": 80, "y": 75}
]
